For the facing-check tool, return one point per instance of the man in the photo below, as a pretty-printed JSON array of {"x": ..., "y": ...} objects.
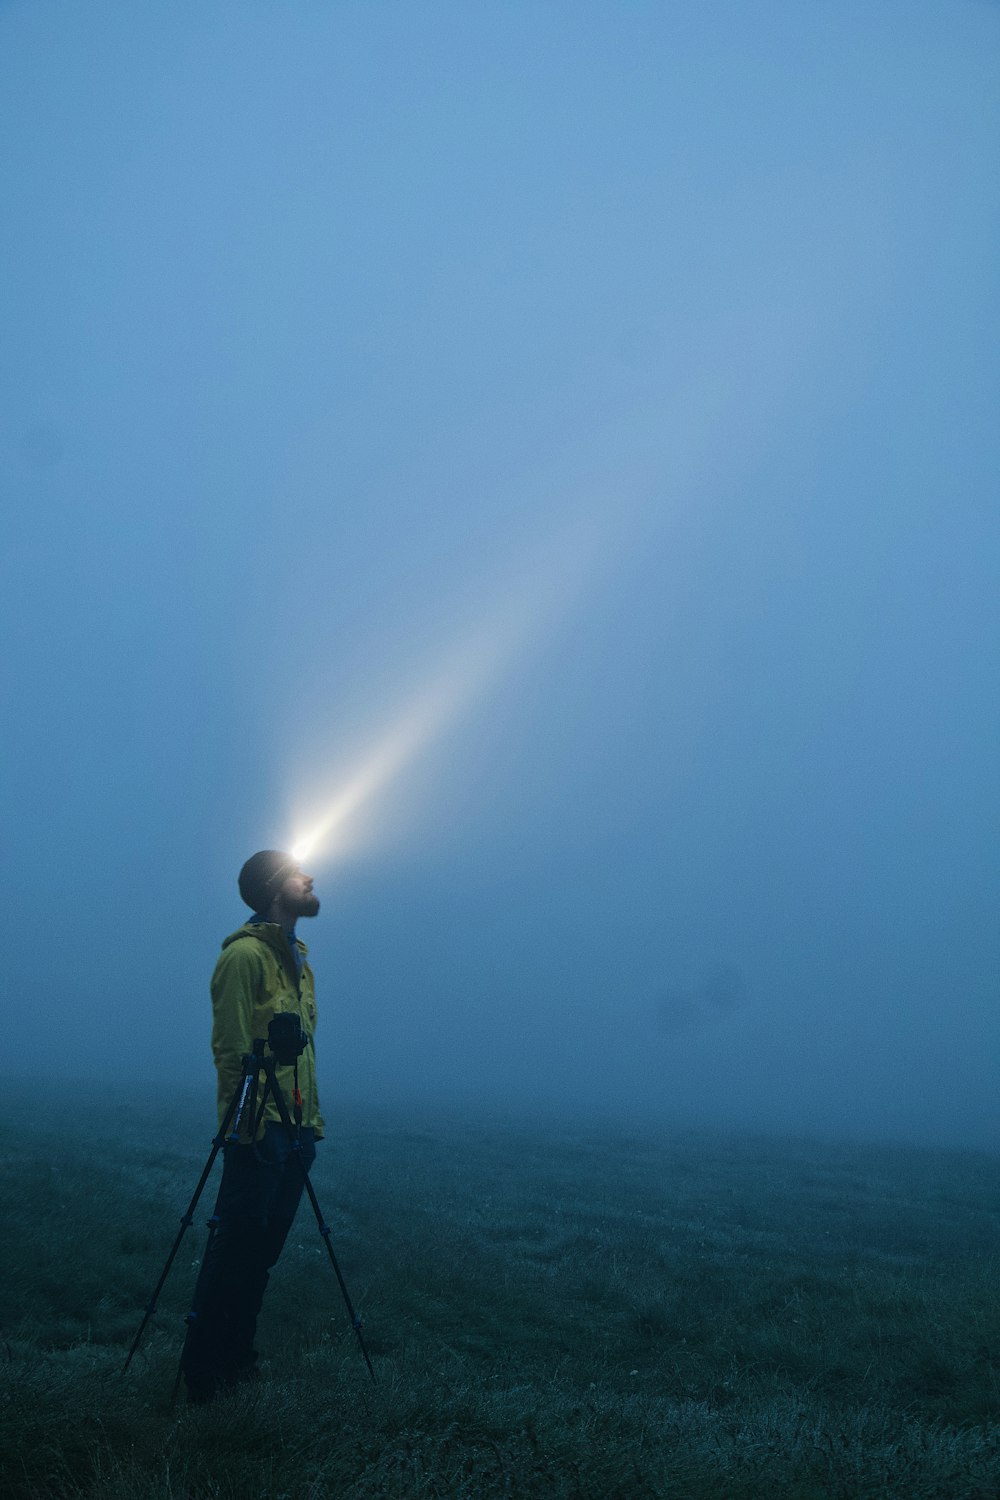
[{"x": 261, "y": 971}]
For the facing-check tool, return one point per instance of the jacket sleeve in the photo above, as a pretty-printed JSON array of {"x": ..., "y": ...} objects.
[{"x": 235, "y": 986}]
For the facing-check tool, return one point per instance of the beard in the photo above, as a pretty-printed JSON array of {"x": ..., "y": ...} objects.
[{"x": 306, "y": 906}]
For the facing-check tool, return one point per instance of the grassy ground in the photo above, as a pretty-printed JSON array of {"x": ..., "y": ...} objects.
[{"x": 552, "y": 1312}]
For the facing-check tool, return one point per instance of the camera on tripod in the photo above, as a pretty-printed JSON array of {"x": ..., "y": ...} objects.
[
  {"x": 287, "y": 1042},
  {"x": 286, "y": 1038}
]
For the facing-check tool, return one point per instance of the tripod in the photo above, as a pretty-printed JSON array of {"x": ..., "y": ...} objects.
[{"x": 245, "y": 1102}]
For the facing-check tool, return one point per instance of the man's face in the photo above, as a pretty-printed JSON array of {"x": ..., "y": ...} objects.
[{"x": 296, "y": 895}]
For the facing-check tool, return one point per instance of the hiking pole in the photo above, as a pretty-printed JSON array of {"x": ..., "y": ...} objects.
[{"x": 237, "y": 1104}]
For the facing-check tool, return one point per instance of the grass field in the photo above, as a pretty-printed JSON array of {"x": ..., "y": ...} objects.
[{"x": 552, "y": 1311}]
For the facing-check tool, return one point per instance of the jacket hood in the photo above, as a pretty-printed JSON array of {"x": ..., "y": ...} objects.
[{"x": 271, "y": 933}]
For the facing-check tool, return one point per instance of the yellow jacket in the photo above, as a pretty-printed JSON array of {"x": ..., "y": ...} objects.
[{"x": 254, "y": 979}]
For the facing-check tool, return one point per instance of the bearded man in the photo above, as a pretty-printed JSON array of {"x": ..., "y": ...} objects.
[{"x": 261, "y": 972}]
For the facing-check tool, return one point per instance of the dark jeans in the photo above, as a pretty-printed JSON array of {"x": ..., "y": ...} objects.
[{"x": 260, "y": 1191}]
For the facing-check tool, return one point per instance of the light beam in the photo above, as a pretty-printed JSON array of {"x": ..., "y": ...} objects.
[{"x": 542, "y": 592}]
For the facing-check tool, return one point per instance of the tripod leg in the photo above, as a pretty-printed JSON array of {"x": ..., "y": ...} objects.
[
  {"x": 186, "y": 1220},
  {"x": 238, "y": 1101},
  {"x": 326, "y": 1233},
  {"x": 324, "y": 1228},
  {"x": 258, "y": 1117}
]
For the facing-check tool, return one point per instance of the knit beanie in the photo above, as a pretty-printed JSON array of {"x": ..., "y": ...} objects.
[{"x": 262, "y": 877}]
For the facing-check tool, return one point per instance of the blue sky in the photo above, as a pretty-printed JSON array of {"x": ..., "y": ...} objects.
[{"x": 339, "y": 337}]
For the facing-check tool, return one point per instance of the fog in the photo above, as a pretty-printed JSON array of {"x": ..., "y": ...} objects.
[{"x": 545, "y": 455}]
